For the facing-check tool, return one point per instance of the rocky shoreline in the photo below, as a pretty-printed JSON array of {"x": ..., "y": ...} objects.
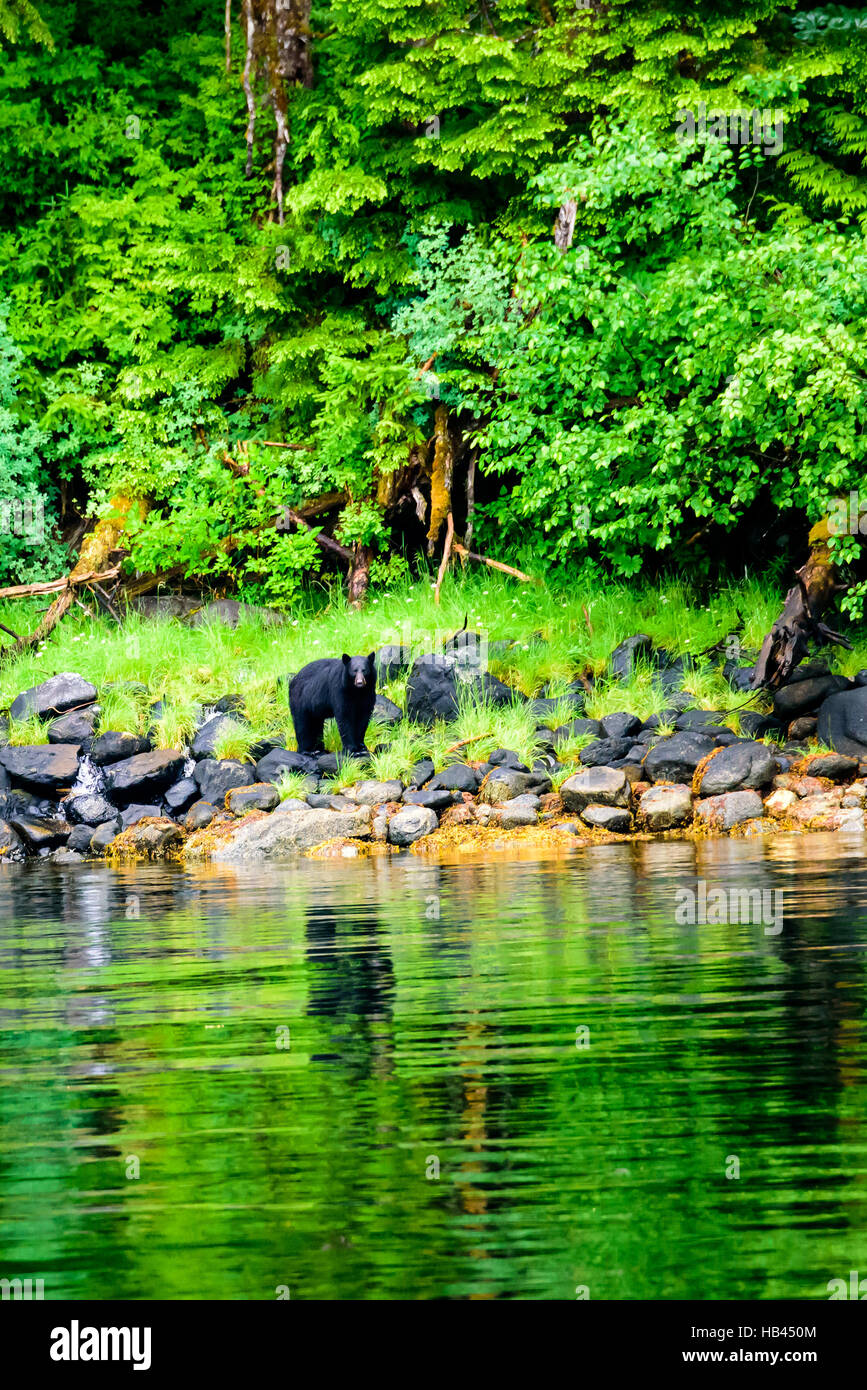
[{"x": 86, "y": 795}]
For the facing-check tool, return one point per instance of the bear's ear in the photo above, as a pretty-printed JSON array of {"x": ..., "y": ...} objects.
[
  {"x": 371, "y": 659},
  {"x": 345, "y": 659}
]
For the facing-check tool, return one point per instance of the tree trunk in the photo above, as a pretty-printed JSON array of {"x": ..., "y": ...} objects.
[{"x": 787, "y": 643}]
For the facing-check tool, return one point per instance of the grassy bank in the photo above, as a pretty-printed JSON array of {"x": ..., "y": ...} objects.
[{"x": 558, "y": 634}]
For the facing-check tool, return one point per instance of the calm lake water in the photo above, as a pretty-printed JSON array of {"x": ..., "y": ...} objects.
[{"x": 287, "y": 1056}]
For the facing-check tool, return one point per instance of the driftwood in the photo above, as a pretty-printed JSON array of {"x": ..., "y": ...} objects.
[
  {"x": 444, "y": 562},
  {"x": 91, "y": 568},
  {"x": 800, "y": 622},
  {"x": 493, "y": 564}
]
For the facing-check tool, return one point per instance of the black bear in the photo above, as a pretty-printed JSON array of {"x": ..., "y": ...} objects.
[{"x": 344, "y": 690}]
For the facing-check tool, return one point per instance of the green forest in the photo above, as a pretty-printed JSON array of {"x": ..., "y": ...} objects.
[{"x": 296, "y": 293}]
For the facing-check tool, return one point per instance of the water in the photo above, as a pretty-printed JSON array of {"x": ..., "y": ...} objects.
[{"x": 287, "y": 1056}]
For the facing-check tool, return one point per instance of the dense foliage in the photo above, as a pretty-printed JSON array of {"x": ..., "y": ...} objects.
[{"x": 689, "y": 364}]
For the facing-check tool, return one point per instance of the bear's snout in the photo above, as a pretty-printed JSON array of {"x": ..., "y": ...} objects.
[{"x": 360, "y": 678}]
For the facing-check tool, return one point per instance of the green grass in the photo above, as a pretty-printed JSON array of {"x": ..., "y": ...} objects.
[
  {"x": 235, "y": 741},
  {"x": 349, "y": 772},
  {"x": 26, "y": 732},
  {"x": 559, "y": 633},
  {"x": 292, "y": 784},
  {"x": 176, "y": 726}
]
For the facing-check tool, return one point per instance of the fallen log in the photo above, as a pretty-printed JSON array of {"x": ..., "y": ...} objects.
[
  {"x": 800, "y": 622},
  {"x": 91, "y": 567},
  {"x": 494, "y": 564}
]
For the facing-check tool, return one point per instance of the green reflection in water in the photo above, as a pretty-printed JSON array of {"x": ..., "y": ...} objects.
[{"x": 433, "y": 1013}]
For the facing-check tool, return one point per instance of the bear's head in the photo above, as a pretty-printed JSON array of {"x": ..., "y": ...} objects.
[{"x": 360, "y": 671}]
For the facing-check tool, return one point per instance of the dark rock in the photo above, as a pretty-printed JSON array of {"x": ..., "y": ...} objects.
[
  {"x": 103, "y": 836},
  {"x": 743, "y": 765},
  {"x": 79, "y": 838},
  {"x": 860, "y": 677},
  {"x": 620, "y": 663},
  {"x": 842, "y": 722},
  {"x": 261, "y": 796},
  {"x": 182, "y": 795},
  {"x": 436, "y": 799},
  {"x": 604, "y": 751},
  {"x": 738, "y": 677},
  {"x": 91, "y": 810},
  {"x": 12, "y": 849},
  {"x": 670, "y": 677},
  {"x": 580, "y": 728},
  {"x": 675, "y": 759},
  {"x": 421, "y": 773},
  {"x": 229, "y": 704},
  {"x": 328, "y": 764},
  {"x": 145, "y": 774},
  {"x": 701, "y": 719},
  {"x": 620, "y": 725},
  {"x": 596, "y": 786},
  {"x": 390, "y": 661},
  {"x": 386, "y": 711},
  {"x": 206, "y": 737},
  {"x": 74, "y": 728},
  {"x": 54, "y": 696},
  {"x": 495, "y": 691},
  {"x": 838, "y": 766},
  {"x": 431, "y": 691},
  {"x": 41, "y": 766},
  {"x": 215, "y": 777},
  {"x": 115, "y": 747},
  {"x": 613, "y": 818},
  {"x": 723, "y": 737},
  {"x": 200, "y": 815},
  {"x": 40, "y": 832},
  {"x": 133, "y": 814},
  {"x": 801, "y": 729},
  {"x": 809, "y": 670},
  {"x": 549, "y": 705},
  {"x": 805, "y": 696},
  {"x": 229, "y": 612},
  {"x": 505, "y": 757},
  {"x": 667, "y": 717},
  {"x": 757, "y": 725},
  {"x": 280, "y": 760},
  {"x": 459, "y": 777},
  {"x": 164, "y": 606}
]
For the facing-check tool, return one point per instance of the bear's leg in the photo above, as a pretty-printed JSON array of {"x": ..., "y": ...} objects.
[
  {"x": 351, "y": 737},
  {"x": 308, "y": 732}
]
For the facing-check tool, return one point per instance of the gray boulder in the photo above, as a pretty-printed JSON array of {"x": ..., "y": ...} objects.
[
  {"x": 291, "y": 829},
  {"x": 42, "y": 766},
  {"x": 675, "y": 759},
  {"x": 603, "y": 786},
  {"x": 723, "y": 812},
  {"x": 410, "y": 824},
  {"x": 144, "y": 775},
  {"x": 739, "y": 765},
  {"x": 665, "y": 808},
  {"x": 54, "y": 696}
]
